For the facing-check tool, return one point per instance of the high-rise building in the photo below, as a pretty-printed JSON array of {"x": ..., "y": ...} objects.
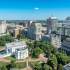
[
  {"x": 3, "y": 27},
  {"x": 34, "y": 31},
  {"x": 66, "y": 45},
  {"x": 52, "y": 23},
  {"x": 56, "y": 40}
]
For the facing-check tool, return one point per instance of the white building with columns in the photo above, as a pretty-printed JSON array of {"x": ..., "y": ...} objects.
[{"x": 19, "y": 49}]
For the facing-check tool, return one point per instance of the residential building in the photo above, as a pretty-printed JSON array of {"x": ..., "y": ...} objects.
[
  {"x": 15, "y": 30},
  {"x": 3, "y": 27},
  {"x": 46, "y": 37},
  {"x": 56, "y": 40},
  {"x": 44, "y": 28},
  {"x": 52, "y": 23},
  {"x": 53, "y": 30},
  {"x": 35, "y": 31}
]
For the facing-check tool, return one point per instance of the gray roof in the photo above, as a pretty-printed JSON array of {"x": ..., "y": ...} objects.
[{"x": 66, "y": 67}]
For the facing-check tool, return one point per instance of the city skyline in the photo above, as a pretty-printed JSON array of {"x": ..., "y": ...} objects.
[{"x": 33, "y": 9}]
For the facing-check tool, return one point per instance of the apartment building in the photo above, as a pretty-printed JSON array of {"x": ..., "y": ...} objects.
[
  {"x": 3, "y": 27},
  {"x": 35, "y": 31},
  {"x": 56, "y": 40}
]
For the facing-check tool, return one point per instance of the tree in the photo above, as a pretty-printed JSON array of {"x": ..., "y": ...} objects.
[
  {"x": 5, "y": 39},
  {"x": 3, "y": 67},
  {"x": 36, "y": 52},
  {"x": 60, "y": 67},
  {"x": 20, "y": 36},
  {"x": 50, "y": 68},
  {"x": 62, "y": 58},
  {"x": 46, "y": 67},
  {"x": 2, "y": 43},
  {"x": 53, "y": 62},
  {"x": 12, "y": 64},
  {"x": 37, "y": 66},
  {"x": 30, "y": 46}
]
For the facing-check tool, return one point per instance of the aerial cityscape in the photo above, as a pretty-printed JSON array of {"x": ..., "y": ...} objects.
[
  {"x": 34, "y": 35},
  {"x": 35, "y": 44}
]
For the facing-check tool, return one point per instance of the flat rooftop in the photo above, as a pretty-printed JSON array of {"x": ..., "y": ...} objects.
[{"x": 16, "y": 44}]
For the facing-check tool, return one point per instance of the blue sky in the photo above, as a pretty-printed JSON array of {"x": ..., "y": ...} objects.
[{"x": 27, "y": 9}]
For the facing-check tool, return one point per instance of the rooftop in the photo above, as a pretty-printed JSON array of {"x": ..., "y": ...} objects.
[
  {"x": 16, "y": 44},
  {"x": 67, "y": 67},
  {"x": 21, "y": 49}
]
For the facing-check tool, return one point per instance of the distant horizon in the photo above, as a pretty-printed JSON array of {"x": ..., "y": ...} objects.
[
  {"x": 38, "y": 19},
  {"x": 33, "y": 9}
]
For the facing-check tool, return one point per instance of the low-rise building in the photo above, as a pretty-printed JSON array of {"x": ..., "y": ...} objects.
[
  {"x": 19, "y": 49},
  {"x": 21, "y": 53},
  {"x": 15, "y": 30}
]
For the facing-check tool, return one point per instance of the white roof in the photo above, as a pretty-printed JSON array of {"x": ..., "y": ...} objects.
[{"x": 16, "y": 44}]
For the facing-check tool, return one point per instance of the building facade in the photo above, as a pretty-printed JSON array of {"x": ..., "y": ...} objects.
[
  {"x": 52, "y": 23},
  {"x": 3, "y": 27},
  {"x": 56, "y": 40},
  {"x": 19, "y": 49},
  {"x": 21, "y": 53},
  {"x": 35, "y": 31}
]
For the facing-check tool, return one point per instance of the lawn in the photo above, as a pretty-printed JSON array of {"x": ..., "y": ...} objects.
[{"x": 10, "y": 58}]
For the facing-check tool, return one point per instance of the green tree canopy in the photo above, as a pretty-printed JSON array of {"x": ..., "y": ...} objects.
[
  {"x": 36, "y": 52},
  {"x": 63, "y": 58},
  {"x": 3, "y": 67},
  {"x": 53, "y": 62},
  {"x": 5, "y": 39},
  {"x": 46, "y": 67},
  {"x": 37, "y": 66},
  {"x": 60, "y": 67}
]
